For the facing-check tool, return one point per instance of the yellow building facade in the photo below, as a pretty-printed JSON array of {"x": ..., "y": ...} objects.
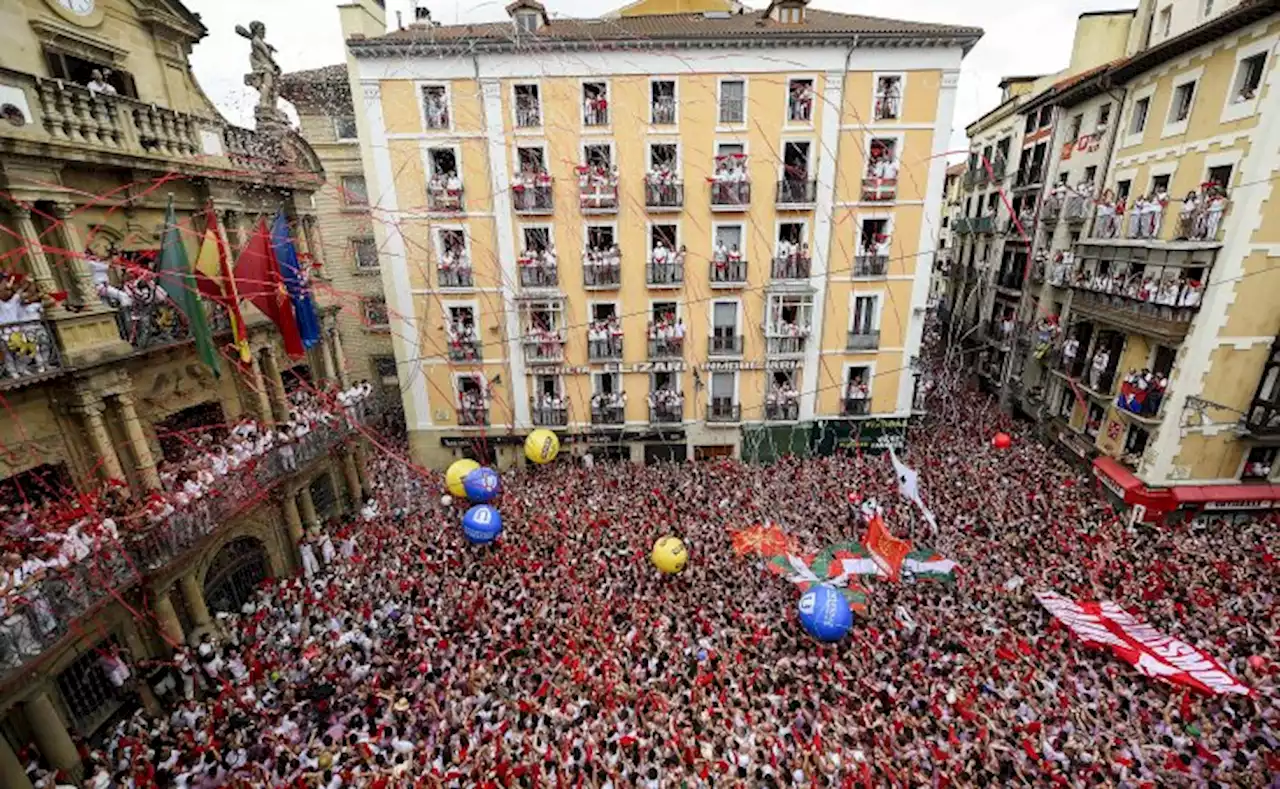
[{"x": 613, "y": 187}]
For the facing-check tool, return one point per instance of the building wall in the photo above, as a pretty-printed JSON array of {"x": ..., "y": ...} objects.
[
  {"x": 838, "y": 135},
  {"x": 1099, "y": 38}
]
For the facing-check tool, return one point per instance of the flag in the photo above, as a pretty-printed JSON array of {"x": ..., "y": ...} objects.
[
  {"x": 258, "y": 280},
  {"x": 180, "y": 284},
  {"x": 851, "y": 558},
  {"x": 887, "y": 551},
  {"x": 767, "y": 541},
  {"x": 215, "y": 281},
  {"x": 909, "y": 487},
  {"x": 304, "y": 309}
]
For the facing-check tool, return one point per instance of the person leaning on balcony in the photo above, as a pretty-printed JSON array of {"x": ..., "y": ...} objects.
[{"x": 98, "y": 82}]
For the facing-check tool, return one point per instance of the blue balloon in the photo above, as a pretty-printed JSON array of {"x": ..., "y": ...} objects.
[
  {"x": 825, "y": 613},
  {"x": 482, "y": 524},
  {"x": 482, "y": 485}
]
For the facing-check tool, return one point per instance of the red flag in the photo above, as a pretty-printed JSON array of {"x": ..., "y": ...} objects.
[
  {"x": 258, "y": 280},
  {"x": 887, "y": 551}
]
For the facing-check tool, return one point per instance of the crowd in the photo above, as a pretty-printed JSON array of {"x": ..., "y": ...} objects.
[
  {"x": 666, "y": 264},
  {"x": 1199, "y": 217},
  {"x": 560, "y": 658},
  {"x": 539, "y": 266},
  {"x": 598, "y": 187},
  {"x": 26, "y": 343}
]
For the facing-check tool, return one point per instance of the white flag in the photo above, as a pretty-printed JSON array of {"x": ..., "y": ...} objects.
[{"x": 909, "y": 487}]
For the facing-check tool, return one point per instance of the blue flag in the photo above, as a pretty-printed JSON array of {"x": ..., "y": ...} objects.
[{"x": 299, "y": 292}]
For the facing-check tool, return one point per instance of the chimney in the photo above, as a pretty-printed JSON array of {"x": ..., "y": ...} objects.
[{"x": 421, "y": 14}]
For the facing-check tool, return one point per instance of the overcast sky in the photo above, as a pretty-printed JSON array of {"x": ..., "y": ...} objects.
[{"x": 1022, "y": 37}]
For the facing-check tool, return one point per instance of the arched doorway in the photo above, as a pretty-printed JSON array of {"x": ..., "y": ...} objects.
[{"x": 235, "y": 572}]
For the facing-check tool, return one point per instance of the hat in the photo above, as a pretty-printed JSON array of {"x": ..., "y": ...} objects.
[{"x": 402, "y": 705}]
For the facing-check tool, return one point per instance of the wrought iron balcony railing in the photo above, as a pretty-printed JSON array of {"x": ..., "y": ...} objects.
[
  {"x": 724, "y": 345},
  {"x": 727, "y": 273}
]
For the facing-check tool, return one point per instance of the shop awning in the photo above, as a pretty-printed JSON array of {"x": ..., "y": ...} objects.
[
  {"x": 1246, "y": 496},
  {"x": 1129, "y": 489}
]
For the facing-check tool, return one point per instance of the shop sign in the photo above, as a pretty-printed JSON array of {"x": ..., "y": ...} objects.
[
  {"x": 1251, "y": 504},
  {"x": 1110, "y": 483},
  {"x": 735, "y": 365},
  {"x": 559, "y": 369}
]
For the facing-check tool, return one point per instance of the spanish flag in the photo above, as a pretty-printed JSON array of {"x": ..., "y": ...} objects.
[{"x": 215, "y": 281}]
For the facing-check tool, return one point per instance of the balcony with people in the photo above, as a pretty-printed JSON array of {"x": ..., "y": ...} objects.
[
  {"x": 730, "y": 183},
  {"x": 782, "y": 401},
  {"x": 728, "y": 268},
  {"x": 461, "y": 335},
  {"x": 857, "y": 393},
  {"x": 1142, "y": 393},
  {"x": 798, "y": 189},
  {"x": 665, "y": 268},
  {"x": 473, "y": 409},
  {"x": 875, "y": 244},
  {"x": 604, "y": 339},
  {"x": 1147, "y": 217},
  {"x": 528, "y": 106},
  {"x": 595, "y": 104},
  {"x": 791, "y": 259},
  {"x": 533, "y": 188},
  {"x": 444, "y": 193},
  {"x": 28, "y": 343},
  {"x": 543, "y": 345},
  {"x": 800, "y": 101},
  {"x": 1155, "y": 292},
  {"x": 666, "y": 406},
  {"x": 666, "y": 336},
  {"x": 539, "y": 267},
  {"x": 722, "y": 410},
  {"x": 888, "y": 98},
  {"x": 880, "y": 179},
  {"x": 609, "y": 408},
  {"x": 453, "y": 264},
  {"x": 789, "y": 325},
  {"x": 548, "y": 410},
  {"x": 662, "y": 103},
  {"x": 663, "y": 189},
  {"x": 598, "y": 187},
  {"x": 601, "y": 259}
]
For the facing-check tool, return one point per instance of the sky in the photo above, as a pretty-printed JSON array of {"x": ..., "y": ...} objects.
[{"x": 1022, "y": 37}]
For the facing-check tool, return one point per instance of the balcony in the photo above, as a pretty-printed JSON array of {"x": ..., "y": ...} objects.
[
  {"x": 151, "y": 320},
  {"x": 785, "y": 345},
  {"x": 456, "y": 276},
  {"x": 1148, "y": 318},
  {"x": 464, "y": 348},
  {"x": 473, "y": 415},
  {"x": 595, "y": 111},
  {"x": 597, "y": 192},
  {"x": 544, "y": 348},
  {"x": 724, "y": 345},
  {"x": 999, "y": 166},
  {"x": 539, "y": 275},
  {"x": 1077, "y": 208},
  {"x": 879, "y": 190},
  {"x": 670, "y": 412},
  {"x": 445, "y": 198},
  {"x": 722, "y": 410},
  {"x": 997, "y": 333},
  {"x": 855, "y": 406},
  {"x": 663, "y": 112},
  {"x": 730, "y": 195},
  {"x": 870, "y": 265},
  {"x": 608, "y": 415},
  {"x": 534, "y": 197},
  {"x": 661, "y": 194},
  {"x": 984, "y": 225},
  {"x": 665, "y": 349},
  {"x": 792, "y": 266},
  {"x": 797, "y": 193},
  {"x": 601, "y": 276},
  {"x": 545, "y": 415},
  {"x": 604, "y": 349},
  {"x": 1199, "y": 222},
  {"x": 1141, "y": 396},
  {"x": 1051, "y": 210},
  {"x": 29, "y": 349},
  {"x": 1029, "y": 177},
  {"x": 862, "y": 341},
  {"x": 961, "y": 226},
  {"x": 669, "y": 274},
  {"x": 528, "y": 113},
  {"x": 727, "y": 273},
  {"x": 782, "y": 411},
  {"x": 1011, "y": 280}
]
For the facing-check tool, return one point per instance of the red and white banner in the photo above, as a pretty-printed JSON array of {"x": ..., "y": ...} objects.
[{"x": 1105, "y": 624}]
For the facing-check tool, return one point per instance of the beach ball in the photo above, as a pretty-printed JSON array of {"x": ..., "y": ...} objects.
[
  {"x": 669, "y": 555},
  {"x": 1001, "y": 441},
  {"x": 482, "y": 524},
  {"x": 482, "y": 485},
  {"x": 825, "y": 614},
  {"x": 454, "y": 476},
  {"x": 541, "y": 446}
]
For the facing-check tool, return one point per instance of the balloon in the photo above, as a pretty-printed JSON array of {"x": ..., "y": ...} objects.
[
  {"x": 482, "y": 524},
  {"x": 669, "y": 555},
  {"x": 825, "y": 614},
  {"x": 1001, "y": 441},
  {"x": 1258, "y": 662},
  {"x": 541, "y": 446},
  {"x": 482, "y": 485},
  {"x": 454, "y": 476}
]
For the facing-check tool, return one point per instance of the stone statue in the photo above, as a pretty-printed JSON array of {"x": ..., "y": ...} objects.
[{"x": 264, "y": 74}]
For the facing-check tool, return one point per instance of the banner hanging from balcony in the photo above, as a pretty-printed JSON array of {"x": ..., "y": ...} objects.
[
  {"x": 304, "y": 308},
  {"x": 1152, "y": 653},
  {"x": 179, "y": 283}
]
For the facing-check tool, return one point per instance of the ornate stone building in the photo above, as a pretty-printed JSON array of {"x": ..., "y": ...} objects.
[{"x": 101, "y": 125}]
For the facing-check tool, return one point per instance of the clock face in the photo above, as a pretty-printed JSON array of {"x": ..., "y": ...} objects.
[{"x": 78, "y": 7}]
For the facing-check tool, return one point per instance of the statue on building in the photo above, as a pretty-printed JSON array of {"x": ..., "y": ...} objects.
[{"x": 264, "y": 74}]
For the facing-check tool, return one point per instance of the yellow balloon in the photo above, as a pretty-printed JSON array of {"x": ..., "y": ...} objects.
[
  {"x": 541, "y": 446},
  {"x": 669, "y": 555},
  {"x": 453, "y": 477}
]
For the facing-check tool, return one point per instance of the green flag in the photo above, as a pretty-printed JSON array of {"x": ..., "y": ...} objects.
[{"x": 179, "y": 282}]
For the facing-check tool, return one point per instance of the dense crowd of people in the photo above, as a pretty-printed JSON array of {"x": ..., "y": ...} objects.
[{"x": 560, "y": 657}]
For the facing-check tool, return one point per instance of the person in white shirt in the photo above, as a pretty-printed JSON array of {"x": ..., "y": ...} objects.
[{"x": 98, "y": 84}]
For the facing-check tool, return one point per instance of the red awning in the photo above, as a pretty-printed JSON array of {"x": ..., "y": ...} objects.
[
  {"x": 1129, "y": 489},
  {"x": 1247, "y": 496}
]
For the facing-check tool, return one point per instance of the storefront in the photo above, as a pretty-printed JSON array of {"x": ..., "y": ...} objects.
[
  {"x": 1143, "y": 504},
  {"x": 1152, "y": 505},
  {"x": 1231, "y": 502}
]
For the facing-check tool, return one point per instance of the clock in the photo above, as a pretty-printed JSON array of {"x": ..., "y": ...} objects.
[{"x": 82, "y": 12}]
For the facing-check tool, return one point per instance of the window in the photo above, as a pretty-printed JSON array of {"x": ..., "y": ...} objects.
[
  {"x": 598, "y": 156},
  {"x": 864, "y": 314},
  {"x": 527, "y": 21},
  {"x": 1093, "y": 420},
  {"x": 384, "y": 367},
  {"x": 729, "y": 237},
  {"x": 375, "y": 313},
  {"x": 70, "y": 68},
  {"x": 607, "y": 383},
  {"x": 1135, "y": 443},
  {"x": 1160, "y": 183},
  {"x": 1123, "y": 188},
  {"x": 354, "y": 192},
  {"x": 1258, "y": 464},
  {"x": 344, "y": 127},
  {"x": 443, "y": 161},
  {"x": 1090, "y": 173},
  {"x": 85, "y": 687},
  {"x": 365, "y": 253},
  {"x": 795, "y": 161},
  {"x": 662, "y": 102},
  {"x": 1139, "y": 121},
  {"x": 600, "y": 238},
  {"x": 528, "y": 106},
  {"x": 1073, "y": 129},
  {"x": 888, "y": 104},
  {"x": 1220, "y": 175},
  {"x": 1166, "y": 21},
  {"x": 595, "y": 104},
  {"x": 435, "y": 106},
  {"x": 733, "y": 101},
  {"x": 1046, "y": 116},
  {"x": 1248, "y": 78},
  {"x": 665, "y": 235},
  {"x": 800, "y": 99},
  {"x": 724, "y": 319},
  {"x": 789, "y": 315},
  {"x": 663, "y": 156},
  {"x": 531, "y": 160},
  {"x": 542, "y": 316},
  {"x": 1180, "y": 107},
  {"x": 1030, "y": 125},
  {"x": 537, "y": 239},
  {"x": 1104, "y": 115},
  {"x": 790, "y": 14}
]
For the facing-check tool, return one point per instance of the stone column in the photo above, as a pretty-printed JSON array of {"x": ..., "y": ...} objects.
[
  {"x": 339, "y": 358},
  {"x": 336, "y": 484},
  {"x": 326, "y": 355},
  {"x": 140, "y": 651},
  {"x": 195, "y": 601},
  {"x": 100, "y": 440},
  {"x": 313, "y": 243},
  {"x": 361, "y": 469},
  {"x": 138, "y": 439},
  {"x": 292, "y": 518},
  {"x": 37, "y": 260},
  {"x": 12, "y": 774},
  {"x": 275, "y": 384},
  {"x": 354, "y": 487},
  {"x": 83, "y": 292},
  {"x": 308, "y": 506},
  {"x": 167, "y": 618},
  {"x": 51, "y": 734},
  {"x": 232, "y": 231},
  {"x": 258, "y": 383}
]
